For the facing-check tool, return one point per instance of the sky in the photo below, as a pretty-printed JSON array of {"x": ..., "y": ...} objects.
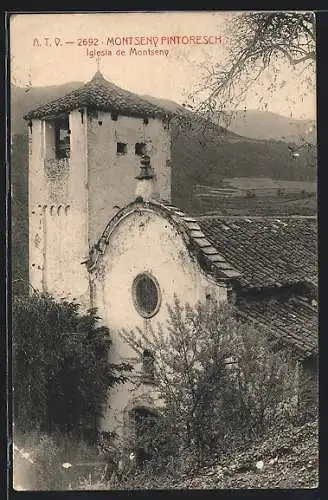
[{"x": 41, "y": 56}]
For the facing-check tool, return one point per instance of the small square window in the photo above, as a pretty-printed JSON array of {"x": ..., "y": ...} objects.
[
  {"x": 122, "y": 148},
  {"x": 140, "y": 148}
]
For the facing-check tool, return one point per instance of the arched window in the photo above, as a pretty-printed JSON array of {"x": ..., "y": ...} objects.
[{"x": 148, "y": 367}]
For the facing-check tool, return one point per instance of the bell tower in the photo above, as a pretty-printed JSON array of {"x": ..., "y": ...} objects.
[{"x": 84, "y": 156}]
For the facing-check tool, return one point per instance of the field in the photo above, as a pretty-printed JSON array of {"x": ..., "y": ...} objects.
[{"x": 256, "y": 196}]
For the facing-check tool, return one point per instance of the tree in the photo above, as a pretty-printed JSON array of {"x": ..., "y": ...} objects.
[
  {"x": 209, "y": 386},
  {"x": 257, "y": 42},
  {"x": 61, "y": 373}
]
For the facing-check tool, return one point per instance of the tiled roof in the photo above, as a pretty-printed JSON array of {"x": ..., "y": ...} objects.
[
  {"x": 103, "y": 95},
  {"x": 293, "y": 320},
  {"x": 267, "y": 251},
  {"x": 258, "y": 252},
  {"x": 207, "y": 255}
]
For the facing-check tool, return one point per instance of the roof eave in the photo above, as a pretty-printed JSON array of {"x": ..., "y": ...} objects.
[{"x": 35, "y": 115}]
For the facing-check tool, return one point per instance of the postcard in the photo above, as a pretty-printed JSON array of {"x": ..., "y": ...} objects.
[{"x": 164, "y": 250}]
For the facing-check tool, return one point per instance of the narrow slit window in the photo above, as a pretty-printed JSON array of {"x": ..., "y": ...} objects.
[{"x": 148, "y": 367}]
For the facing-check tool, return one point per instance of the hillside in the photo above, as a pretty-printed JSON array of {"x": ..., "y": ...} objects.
[
  {"x": 284, "y": 459},
  {"x": 255, "y": 124},
  {"x": 203, "y": 157},
  {"x": 266, "y": 125},
  {"x": 23, "y": 100},
  {"x": 289, "y": 459}
]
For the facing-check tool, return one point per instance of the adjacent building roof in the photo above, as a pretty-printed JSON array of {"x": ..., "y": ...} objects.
[
  {"x": 293, "y": 320},
  {"x": 267, "y": 251},
  {"x": 258, "y": 252},
  {"x": 103, "y": 95},
  {"x": 262, "y": 255}
]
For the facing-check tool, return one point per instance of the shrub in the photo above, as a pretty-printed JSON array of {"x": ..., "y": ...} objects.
[
  {"x": 264, "y": 389},
  {"x": 61, "y": 373},
  {"x": 220, "y": 381}
]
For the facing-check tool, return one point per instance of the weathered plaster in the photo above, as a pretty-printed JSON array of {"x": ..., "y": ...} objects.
[
  {"x": 142, "y": 241},
  {"x": 58, "y": 204},
  {"x": 112, "y": 175}
]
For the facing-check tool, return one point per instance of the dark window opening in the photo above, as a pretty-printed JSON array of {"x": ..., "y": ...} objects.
[
  {"x": 82, "y": 114},
  {"x": 146, "y": 295},
  {"x": 114, "y": 117},
  {"x": 148, "y": 367},
  {"x": 140, "y": 148},
  {"x": 62, "y": 137},
  {"x": 122, "y": 148},
  {"x": 146, "y": 121}
]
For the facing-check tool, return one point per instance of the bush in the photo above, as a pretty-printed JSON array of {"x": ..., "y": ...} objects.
[
  {"x": 264, "y": 389},
  {"x": 61, "y": 373},
  {"x": 220, "y": 380}
]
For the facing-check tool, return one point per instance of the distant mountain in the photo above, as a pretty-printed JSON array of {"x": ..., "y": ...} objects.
[
  {"x": 255, "y": 124},
  {"x": 266, "y": 125},
  {"x": 165, "y": 103},
  {"x": 23, "y": 100},
  {"x": 252, "y": 124}
]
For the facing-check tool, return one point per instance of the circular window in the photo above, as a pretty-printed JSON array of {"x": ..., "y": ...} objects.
[{"x": 146, "y": 295}]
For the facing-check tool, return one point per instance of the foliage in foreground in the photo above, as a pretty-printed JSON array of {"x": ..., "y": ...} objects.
[
  {"x": 222, "y": 397},
  {"x": 285, "y": 457},
  {"x": 258, "y": 42},
  {"x": 61, "y": 373},
  {"x": 221, "y": 381}
]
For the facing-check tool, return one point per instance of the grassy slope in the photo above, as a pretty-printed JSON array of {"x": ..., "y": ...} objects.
[
  {"x": 207, "y": 158},
  {"x": 289, "y": 456},
  {"x": 290, "y": 460}
]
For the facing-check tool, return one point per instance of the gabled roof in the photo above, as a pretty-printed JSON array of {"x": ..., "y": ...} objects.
[
  {"x": 103, "y": 95},
  {"x": 267, "y": 251},
  {"x": 199, "y": 246},
  {"x": 259, "y": 253},
  {"x": 292, "y": 320},
  {"x": 256, "y": 252}
]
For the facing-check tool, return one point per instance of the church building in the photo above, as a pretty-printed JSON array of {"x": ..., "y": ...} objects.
[{"x": 104, "y": 230}]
